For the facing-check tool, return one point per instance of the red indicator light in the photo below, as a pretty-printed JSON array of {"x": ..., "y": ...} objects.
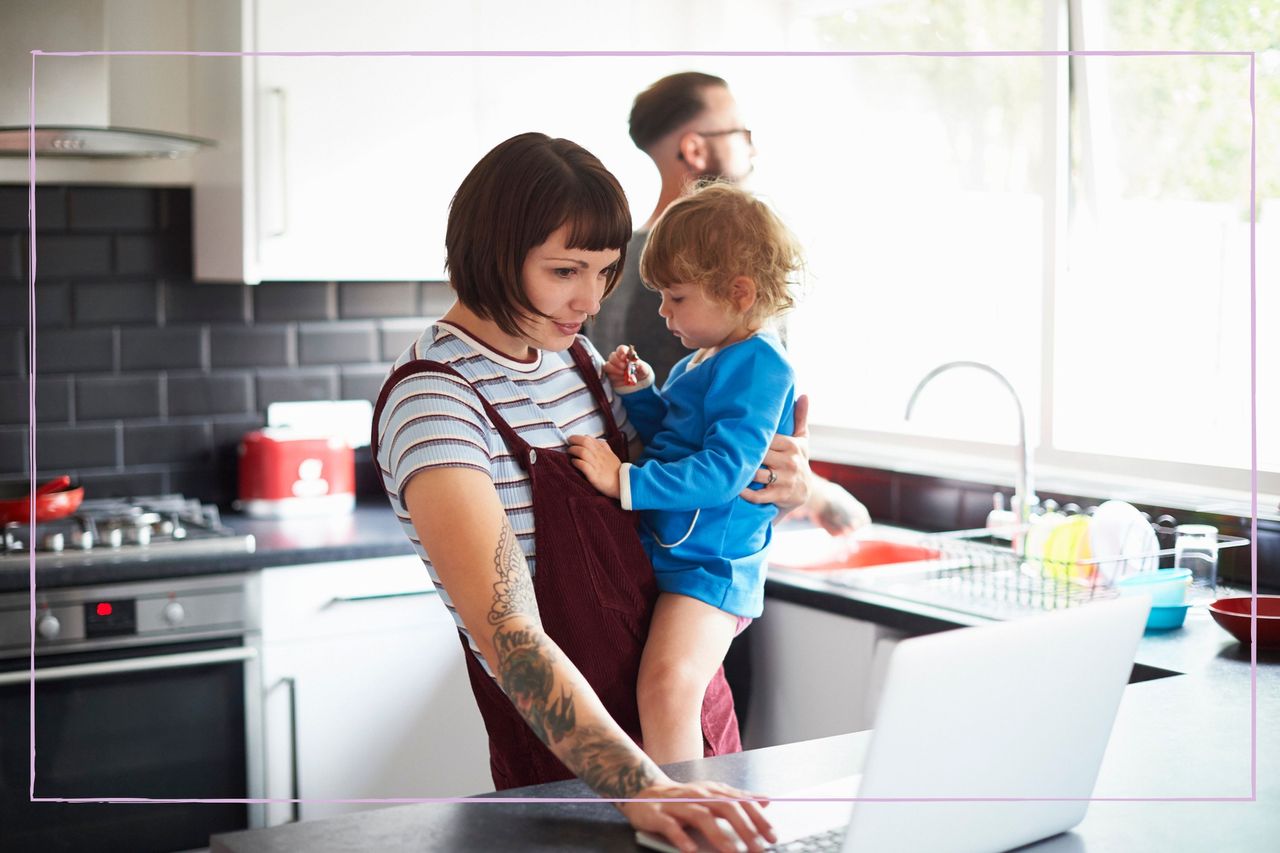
[{"x": 104, "y": 608}]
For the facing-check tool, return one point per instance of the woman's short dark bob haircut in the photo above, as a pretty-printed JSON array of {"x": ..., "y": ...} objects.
[{"x": 510, "y": 202}]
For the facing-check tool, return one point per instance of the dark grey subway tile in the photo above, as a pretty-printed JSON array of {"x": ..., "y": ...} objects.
[
  {"x": 395, "y": 336},
  {"x": 337, "y": 343},
  {"x": 214, "y": 483},
  {"x": 100, "y": 398},
  {"x": 68, "y": 255},
  {"x": 69, "y": 447},
  {"x": 252, "y": 346},
  {"x": 104, "y": 303},
  {"x": 13, "y": 450},
  {"x": 361, "y": 300},
  {"x": 210, "y": 394},
  {"x": 75, "y": 350},
  {"x": 300, "y": 383},
  {"x": 153, "y": 254},
  {"x": 187, "y": 443},
  {"x": 13, "y": 257},
  {"x": 294, "y": 301},
  {"x": 53, "y": 304},
  {"x": 227, "y": 431},
  {"x": 53, "y": 400},
  {"x": 170, "y": 348},
  {"x": 124, "y": 484},
  {"x": 203, "y": 302},
  {"x": 111, "y": 208},
  {"x": 363, "y": 382},
  {"x": 13, "y": 351},
  {"x": 51, "y": 208}
]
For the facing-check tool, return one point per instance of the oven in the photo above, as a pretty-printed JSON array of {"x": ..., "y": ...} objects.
[{"x": 147, "y": 690}]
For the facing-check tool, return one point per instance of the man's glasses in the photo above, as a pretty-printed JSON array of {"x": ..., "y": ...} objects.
[{"x": 746, "y": 134}]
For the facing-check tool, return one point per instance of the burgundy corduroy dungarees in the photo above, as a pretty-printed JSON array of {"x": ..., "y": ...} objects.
[{"x": 595, "y": 591}]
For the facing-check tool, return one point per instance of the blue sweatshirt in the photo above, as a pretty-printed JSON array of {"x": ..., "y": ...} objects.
[{"x": 705, "y": 436}]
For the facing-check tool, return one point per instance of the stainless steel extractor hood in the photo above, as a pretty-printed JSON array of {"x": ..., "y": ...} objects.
[
  {"x": 89, "y": 102},
  {"x": 107, "y": 142}
]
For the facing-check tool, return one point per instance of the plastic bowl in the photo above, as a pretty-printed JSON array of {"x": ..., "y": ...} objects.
[
  {"x": 1233, "y": 615},
  {"x": 1167, "y": 587},
  {"x": 1167, "y": 618}
]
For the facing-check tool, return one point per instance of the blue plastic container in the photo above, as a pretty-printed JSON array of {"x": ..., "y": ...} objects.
[
  {"x": 1167, "y": 618},
  {"x": 1167, "y": 587}
]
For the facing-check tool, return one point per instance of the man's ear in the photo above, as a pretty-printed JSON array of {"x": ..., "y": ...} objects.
[
  {"x": 742, "y": 290},
  {"x": 691, "y": 149}
]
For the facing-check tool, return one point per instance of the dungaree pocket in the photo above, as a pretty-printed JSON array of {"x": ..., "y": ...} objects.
[{"x": 614, "y": 568}]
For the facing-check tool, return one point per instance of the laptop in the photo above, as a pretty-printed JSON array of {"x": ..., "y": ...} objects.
[{"x": 1014, "y": 710}]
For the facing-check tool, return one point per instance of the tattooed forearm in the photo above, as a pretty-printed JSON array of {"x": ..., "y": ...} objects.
[
  {"x": 525, "y": 660},
  {"x": 526, "y": 669},
  {"x": 610, "y": 767},
  {"x": 513, "y": 592}
]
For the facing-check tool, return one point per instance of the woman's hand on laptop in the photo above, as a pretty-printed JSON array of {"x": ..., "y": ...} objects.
[{"x": 672, "y": 819}]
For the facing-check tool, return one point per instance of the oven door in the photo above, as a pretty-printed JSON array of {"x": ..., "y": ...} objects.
[{"x": 158, "y": 722}]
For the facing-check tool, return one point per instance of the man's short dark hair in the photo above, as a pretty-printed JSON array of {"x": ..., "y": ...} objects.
[
  {"x": 668, "y": 104},
  {"x": 510, "y": 202}
]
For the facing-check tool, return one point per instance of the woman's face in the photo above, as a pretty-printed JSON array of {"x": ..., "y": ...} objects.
[{"x": 566, "y": 285}]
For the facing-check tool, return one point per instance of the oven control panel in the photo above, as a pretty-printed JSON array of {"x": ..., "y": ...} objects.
[{"x": 155, "y": 611}]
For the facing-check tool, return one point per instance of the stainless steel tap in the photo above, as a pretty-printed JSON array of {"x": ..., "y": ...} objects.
[{"x": 1024, "y": 499}]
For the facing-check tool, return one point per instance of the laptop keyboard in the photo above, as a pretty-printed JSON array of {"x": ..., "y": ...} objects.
[{"x": 821, "y": 842}]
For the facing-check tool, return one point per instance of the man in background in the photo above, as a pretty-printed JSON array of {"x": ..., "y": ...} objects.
[{"x": 688, "y": 124}]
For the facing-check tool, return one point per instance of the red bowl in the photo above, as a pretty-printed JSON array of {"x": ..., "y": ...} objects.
[{"x": 1233, "y": 615}]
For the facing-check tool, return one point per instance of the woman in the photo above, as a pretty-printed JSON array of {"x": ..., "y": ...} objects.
[{"x": 546, "y": 578}]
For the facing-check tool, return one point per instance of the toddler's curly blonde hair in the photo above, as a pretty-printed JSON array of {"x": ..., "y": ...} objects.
[{"x": 716, "y": 233}]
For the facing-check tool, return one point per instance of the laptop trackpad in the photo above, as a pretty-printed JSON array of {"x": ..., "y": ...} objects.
[{"x": 791, "y": 820}]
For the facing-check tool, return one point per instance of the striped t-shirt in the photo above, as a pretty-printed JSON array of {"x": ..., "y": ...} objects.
[{"x": 433, "y": 420}]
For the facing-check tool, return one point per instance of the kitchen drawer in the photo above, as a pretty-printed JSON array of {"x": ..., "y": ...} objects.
[{"x": 348, "y": 597}]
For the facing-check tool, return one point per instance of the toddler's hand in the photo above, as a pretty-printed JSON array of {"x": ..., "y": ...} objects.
[
  {"x": 595, "y": 459},
  {"x": 618, "y": 368}
]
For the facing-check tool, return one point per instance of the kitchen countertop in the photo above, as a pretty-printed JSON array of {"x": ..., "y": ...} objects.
[
  {"x": 1185, "y": 736},
  {"x": 372, "y": 530}
]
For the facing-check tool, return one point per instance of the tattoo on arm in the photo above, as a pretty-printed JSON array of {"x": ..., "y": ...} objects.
[
  {"x": 610, "y": 765},
  {"x": 513, "y": 591}
]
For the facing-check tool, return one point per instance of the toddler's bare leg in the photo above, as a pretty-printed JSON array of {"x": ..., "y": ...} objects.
[{"x": 687, "y": 641}]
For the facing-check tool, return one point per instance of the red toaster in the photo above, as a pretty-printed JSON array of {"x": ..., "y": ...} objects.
[{"x": 285, "y": 474}]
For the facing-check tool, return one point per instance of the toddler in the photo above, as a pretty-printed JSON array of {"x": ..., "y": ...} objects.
[{"x": 723, "y": 263}]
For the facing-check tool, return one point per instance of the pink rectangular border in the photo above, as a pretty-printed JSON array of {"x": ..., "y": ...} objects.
[{"x": 1253, "y": 411}]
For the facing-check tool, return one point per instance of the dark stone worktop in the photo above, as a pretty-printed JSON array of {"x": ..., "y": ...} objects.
[
  {"x": 370, "y": 531},
  {"x": 1178, "y": 775}
]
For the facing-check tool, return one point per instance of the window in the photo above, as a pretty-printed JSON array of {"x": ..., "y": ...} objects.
[{"x": 1082, "y": 226}]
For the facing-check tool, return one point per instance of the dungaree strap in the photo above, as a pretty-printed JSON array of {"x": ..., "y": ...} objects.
[
  {"x": 518, "y": 445},
  {"x": 588, "y": 370}
]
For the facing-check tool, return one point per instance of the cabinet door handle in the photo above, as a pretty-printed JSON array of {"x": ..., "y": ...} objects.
[
  {"x": 280, "y": 222},
  {"x": 115, "y": 667},
  {"x": 378, "y": 596},
  {"x": 291, "y": 686}
]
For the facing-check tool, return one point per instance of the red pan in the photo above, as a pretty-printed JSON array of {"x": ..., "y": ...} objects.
[{"x": 54, "y": 499}]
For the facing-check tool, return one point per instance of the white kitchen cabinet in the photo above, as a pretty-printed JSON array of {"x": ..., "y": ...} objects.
[
  {"x": 343, "y": 167},
  {"x": 365, "y": 689},
  {"x": 814, "y": 674},
  {"x": 328, "y": 168}
]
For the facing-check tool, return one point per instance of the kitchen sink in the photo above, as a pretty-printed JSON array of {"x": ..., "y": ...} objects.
[{"x": 811, "y": 549}]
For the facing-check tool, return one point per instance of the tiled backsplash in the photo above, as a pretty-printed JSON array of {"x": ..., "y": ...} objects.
[{"x": 146, "y": 380}]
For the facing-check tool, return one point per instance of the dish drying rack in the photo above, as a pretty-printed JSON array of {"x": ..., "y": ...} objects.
[{"x": 981, "y": 572}]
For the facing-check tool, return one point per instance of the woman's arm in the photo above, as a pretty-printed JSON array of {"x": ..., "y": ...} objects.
[{"x": 461, "y": 522}]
